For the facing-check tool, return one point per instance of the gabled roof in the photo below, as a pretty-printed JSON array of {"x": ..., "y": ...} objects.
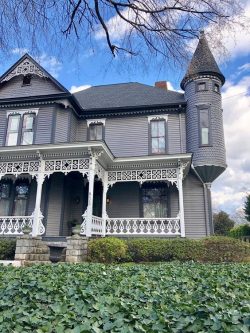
[
  {"x": 124, "y": 95},
  {"x": 202, "y": 62},
  {"x": 27, "y": 65}
]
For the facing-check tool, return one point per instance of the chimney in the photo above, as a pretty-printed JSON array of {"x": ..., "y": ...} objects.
[{"x": 161, "y": 84}]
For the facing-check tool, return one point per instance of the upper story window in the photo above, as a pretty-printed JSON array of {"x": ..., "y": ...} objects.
[
  {"x": 95, "y": 131},
  {"x": 204, "y": 127},
  {"x": 20, "y": 129},
  {"x": 26, "y": 80},
  {"x": 158, "y": 136},
  {"x": 216, "y": 88},
  {"x": 201, "y": 86}
]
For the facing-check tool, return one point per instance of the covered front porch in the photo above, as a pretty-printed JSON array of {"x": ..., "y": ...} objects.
[{"x": 58, "y": 186}]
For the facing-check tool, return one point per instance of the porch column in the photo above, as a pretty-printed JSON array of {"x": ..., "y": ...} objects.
[
  {"x": 38, "y": 228},
  {"x": 104, "y": 203},
  {"x": 92, "y": 163},
  {"x": 181, "y": 204}
]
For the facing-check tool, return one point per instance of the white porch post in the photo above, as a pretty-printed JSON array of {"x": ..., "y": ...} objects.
[
  {"x": 92, "y": 163},
  {"x": 104, "y": 203},
  {"x": 181, "y": 204},
  {"x": 37, "y": 214}
]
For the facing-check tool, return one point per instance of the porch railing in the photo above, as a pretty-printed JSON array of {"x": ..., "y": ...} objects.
[
  {"x": 143, "y": 226},
  {"x": 13, "y": 225},
  {"x": 97, "y": 225}
]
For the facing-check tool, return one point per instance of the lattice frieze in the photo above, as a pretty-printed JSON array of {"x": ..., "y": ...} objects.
[
  {"x": 169, "y": 174},
  {"x": 26, "y": 67},
  {"x": 19, "y": 167},
  {"x": 67, "y": 165}
]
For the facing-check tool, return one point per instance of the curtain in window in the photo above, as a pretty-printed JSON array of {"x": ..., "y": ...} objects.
[
  {"x": 95, "y": 132},
  {"x": 20, "y": 202},
  {"x": 154, "y": 201},
  {"x": 158, "y": 137},
  {"x": 4, "y": 199}
]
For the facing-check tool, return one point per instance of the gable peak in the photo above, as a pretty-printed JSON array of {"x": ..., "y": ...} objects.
[{"x": 24, "y": 66}]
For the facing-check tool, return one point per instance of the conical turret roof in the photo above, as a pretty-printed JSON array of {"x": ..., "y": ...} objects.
[{"x": 202, "y": 62}]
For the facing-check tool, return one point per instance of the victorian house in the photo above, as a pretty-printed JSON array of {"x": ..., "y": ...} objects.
[{"x": 124, "y": 159}]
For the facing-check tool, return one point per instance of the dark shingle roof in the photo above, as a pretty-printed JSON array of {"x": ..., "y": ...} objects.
[
  {"x": 202, "y": 62},
  {"x": 124, "y": 95}
]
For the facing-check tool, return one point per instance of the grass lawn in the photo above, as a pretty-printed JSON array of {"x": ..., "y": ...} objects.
[{"x": 170, "y": 297}]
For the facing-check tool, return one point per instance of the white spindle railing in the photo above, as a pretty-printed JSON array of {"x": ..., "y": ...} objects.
[
  {"x": 13, "y": 225},
  {"x": 143, "y": 226},
  {"x": 96, "y": 225}
]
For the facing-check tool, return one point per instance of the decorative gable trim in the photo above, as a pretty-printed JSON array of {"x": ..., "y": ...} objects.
[
  {"x": 96, "y": 121},
  {"x": 158, "y": 117},
  {"x": 24, "y": 68}
]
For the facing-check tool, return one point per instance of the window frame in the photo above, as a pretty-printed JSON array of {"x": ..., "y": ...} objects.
[
  {"x": 93, "y": 125},
  {"x": 214, "y": 85},
  {"x": 20, "y": 131},
  {"x": 27, "y": 131},
  {"x": 207, "y": 108},
  {"x": 150, "y": 185},
  {"x": 164, "y": 119},
  {"x": 199, "y": 83}
]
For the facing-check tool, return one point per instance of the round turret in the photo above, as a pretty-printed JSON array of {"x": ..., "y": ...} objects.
[{"x": 205, "y": 136}]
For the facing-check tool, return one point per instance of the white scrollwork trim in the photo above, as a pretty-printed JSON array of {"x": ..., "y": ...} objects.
[
  {"x": 158, "y": 117},
  {"x": 21, "y": 112},
  {"x": 96, "y": 121},
  {"x": 24, "y": 68}
]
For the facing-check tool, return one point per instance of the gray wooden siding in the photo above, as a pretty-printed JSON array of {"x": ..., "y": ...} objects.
[
  {"x": 44, "y": 123},
  {"x": 32, "y": 197},
  {"x": 73, "y": 127},
  {"x": 55, "y": 198},
  {"x": 174, "y": 202},
  {"x": 62, "y": 126},
  {"x": 124, "y": 200},
  {"x": 81, "y": 134},
  {"x": 173, "y": 126},
  {"x": 39, "y": 86},
  {"x": 194, "y": 209},
  {"x": 3, "y": 126},
  {"x": 127, "y": 136}
]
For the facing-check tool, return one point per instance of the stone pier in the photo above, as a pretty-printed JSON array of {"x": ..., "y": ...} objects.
[{"x": 76, "y": 249}]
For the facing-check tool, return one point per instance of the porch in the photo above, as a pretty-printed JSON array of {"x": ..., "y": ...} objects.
[{"x": 108, "y": 196}]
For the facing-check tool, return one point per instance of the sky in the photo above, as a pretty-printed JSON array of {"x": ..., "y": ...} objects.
[{"x": 97, "y": 67}]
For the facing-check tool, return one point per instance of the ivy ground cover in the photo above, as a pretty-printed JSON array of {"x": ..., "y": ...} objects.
[{"x": 84, "y": 298}]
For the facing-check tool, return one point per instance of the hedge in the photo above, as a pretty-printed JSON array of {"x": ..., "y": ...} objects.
[
  {"x": 7, "y": 248},
  {"x": 213, "y": 249}
]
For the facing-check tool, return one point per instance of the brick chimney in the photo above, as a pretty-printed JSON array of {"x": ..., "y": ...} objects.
[{"x": 162, "y": 85}]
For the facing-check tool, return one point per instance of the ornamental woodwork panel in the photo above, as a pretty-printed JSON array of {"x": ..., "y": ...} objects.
[
  {"x": 19, "y": 167},
  {"x": 169, "y": 174},
  {"x": 67, "y": 165}
]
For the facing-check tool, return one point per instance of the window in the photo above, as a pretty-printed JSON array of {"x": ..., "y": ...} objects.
[
  {"x": 216, "y": 88},
  {"x": 158, "y": 136},
  {"x": 5, "y": 188},
  {"x": 201, "y": 86},
  {"x": 26, "y": 80},
  {"x": 13, "y": 130},
  {"x": 154, "y": 200},
  {"x": 95, "y": 131},
  {"x": 204, "y": 127},
  {"x": 21, "y": 196},
  {"x": 28, "y": 129},
  {"x": 20, "y": 129}
]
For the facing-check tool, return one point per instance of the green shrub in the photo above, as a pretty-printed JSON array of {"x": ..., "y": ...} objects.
[
  {"x": 163, "y": 249},
  {"x": 240, "y": 231},
  {"x": 224, "y": 249},
  {"x": 7, "y": 248},
  {"x": 107, "y": 250}
]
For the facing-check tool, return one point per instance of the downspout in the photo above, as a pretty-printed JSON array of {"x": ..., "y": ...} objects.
[{"x": 206, "y": 202}]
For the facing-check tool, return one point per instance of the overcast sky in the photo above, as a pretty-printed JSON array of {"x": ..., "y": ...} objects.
[{"x": 97, "y": 68}]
